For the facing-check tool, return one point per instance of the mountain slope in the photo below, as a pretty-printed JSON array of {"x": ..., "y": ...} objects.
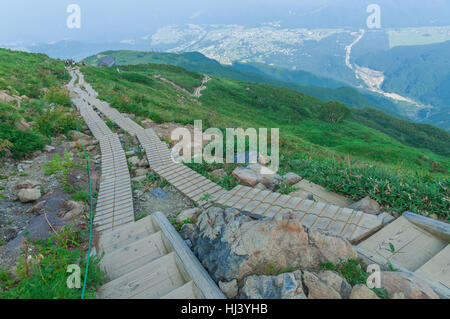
[
  {"x": 419, "y": 72},
  {"x": 194, "y": 61}
]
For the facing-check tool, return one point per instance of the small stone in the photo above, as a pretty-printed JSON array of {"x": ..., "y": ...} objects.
[
  {"x": 219, "y": 173},
  {"x": 71, "y": 209},
  {"x": 335, "y": 281},
  {"x": 29, "y": 195},
  {"x": 139, "y": 178},
  {"x": 37, "y": 208},
  {"x": 367, "y": 205},
  {"x": 143, "y": 163},
  {"x": 230, "y": 289},
  {"x": 191, "y": 213},
  {"x": 310, "y": 197},
  {"x": 159, "y": 192},
  {"x": 147, "y": 123},
  {"x": 49, "y": 148},
  {"x": 260, "y": 186},
  {"x": 141, "y": 172},
  {"x": 26, "y": 184},
  {"x": 134, "y": 160},
  {"x": 291, "y": 178},
  {"x": 386, "y": 218},
  {"x": 363, "y": 292},
  {"x": 187, "y": 231},
  {"x": 318, "y": 289}
]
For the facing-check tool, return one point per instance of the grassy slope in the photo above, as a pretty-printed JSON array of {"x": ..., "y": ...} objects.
[
  {"x": 316, "y": 149},
  {"x": 260, "y": 73},
  {"x": 25, "y": 74}
]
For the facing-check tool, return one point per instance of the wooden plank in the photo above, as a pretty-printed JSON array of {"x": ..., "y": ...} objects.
[
  {"x": 186, "y": 291},
  {"x": 437, "y": 269},
  {"x": 190, "y": 264},
  {"x": 153, "y": 280},
  {"x": 111, "y": 241},
  {"x": 132, "y": 256}
]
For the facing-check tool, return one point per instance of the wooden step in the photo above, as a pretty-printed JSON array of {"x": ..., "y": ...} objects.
[
  {"x": 132, "y": 256},
  {"x": 154, "y": 280},
  {"x": 186, "y": 291},
  {"x": 413, "y": 245},
  {"x": 126, "y": 235},
  {"x": 437, "y": 269}
]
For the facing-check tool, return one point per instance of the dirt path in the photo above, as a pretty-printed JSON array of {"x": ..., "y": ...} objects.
[{"x": 197, "y": 90}]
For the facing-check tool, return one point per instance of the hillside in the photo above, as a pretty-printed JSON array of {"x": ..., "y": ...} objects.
[
  {"x": 420, "y": 72},
  {"x": 261, "y": 73},
  {"x": 346, "y": 156}
]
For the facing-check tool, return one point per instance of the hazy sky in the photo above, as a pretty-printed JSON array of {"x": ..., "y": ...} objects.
[{"x": 101, "y": 20}]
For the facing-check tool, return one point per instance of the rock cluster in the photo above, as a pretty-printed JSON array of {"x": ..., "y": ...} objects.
[{"x": 255, "y": 257}]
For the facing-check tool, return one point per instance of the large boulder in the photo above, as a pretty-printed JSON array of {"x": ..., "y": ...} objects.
[
  {"x": 284, "y": 286},
  {"x": 367, "y": 205},
  {"x": 232, "y": 245},
  {"x": 401, "y": 283},
  {"x": 27, "y": 195}
]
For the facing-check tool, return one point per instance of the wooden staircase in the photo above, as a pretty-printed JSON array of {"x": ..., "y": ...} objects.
[{"x": 148, "y": 259}]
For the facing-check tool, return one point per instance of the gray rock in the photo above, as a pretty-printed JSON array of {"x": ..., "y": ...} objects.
[
  {"x": 317, "y": 289},
  {"x": 71, "y": 209},
  {"x": 335, "y": 281},
  {"x": 141, "y": 172},
  {"x": 230, "y": 289},
  {"x": 367, "y": 205},
  {"x": 291, "y": 178},
  {"x": 26, "y": 184},
  {"x": 187, "y": 231},
  {"x": 159, "y": 192},
  {"x": 246, "y": 176},
  {"x": 363, "y": 292},
  {"x": 233, "y": 246},
  {"x": 49, "y": 148},
  {"x": 134, "y": 160},
  {"x": 284, "y": 286},
  {"x": 37, "y": 209},
  {"x": 139, "y": 178},
  {"x": 219, "y": 173},
  {"x": 129, "y": 153},
  {"x": 191, "y": 213},
  {"x": 29, "y": 195},
  {"x": 386, "y": 218}
]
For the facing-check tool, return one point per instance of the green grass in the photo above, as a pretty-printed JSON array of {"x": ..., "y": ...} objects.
[
  {"x": 42, "y": 269},
  {"x": 30, "y": 75}
]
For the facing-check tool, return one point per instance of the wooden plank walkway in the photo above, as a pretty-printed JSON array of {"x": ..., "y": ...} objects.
[
  {"x": 353, "y": 225},
  {"x": 115, "y": 201}
]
